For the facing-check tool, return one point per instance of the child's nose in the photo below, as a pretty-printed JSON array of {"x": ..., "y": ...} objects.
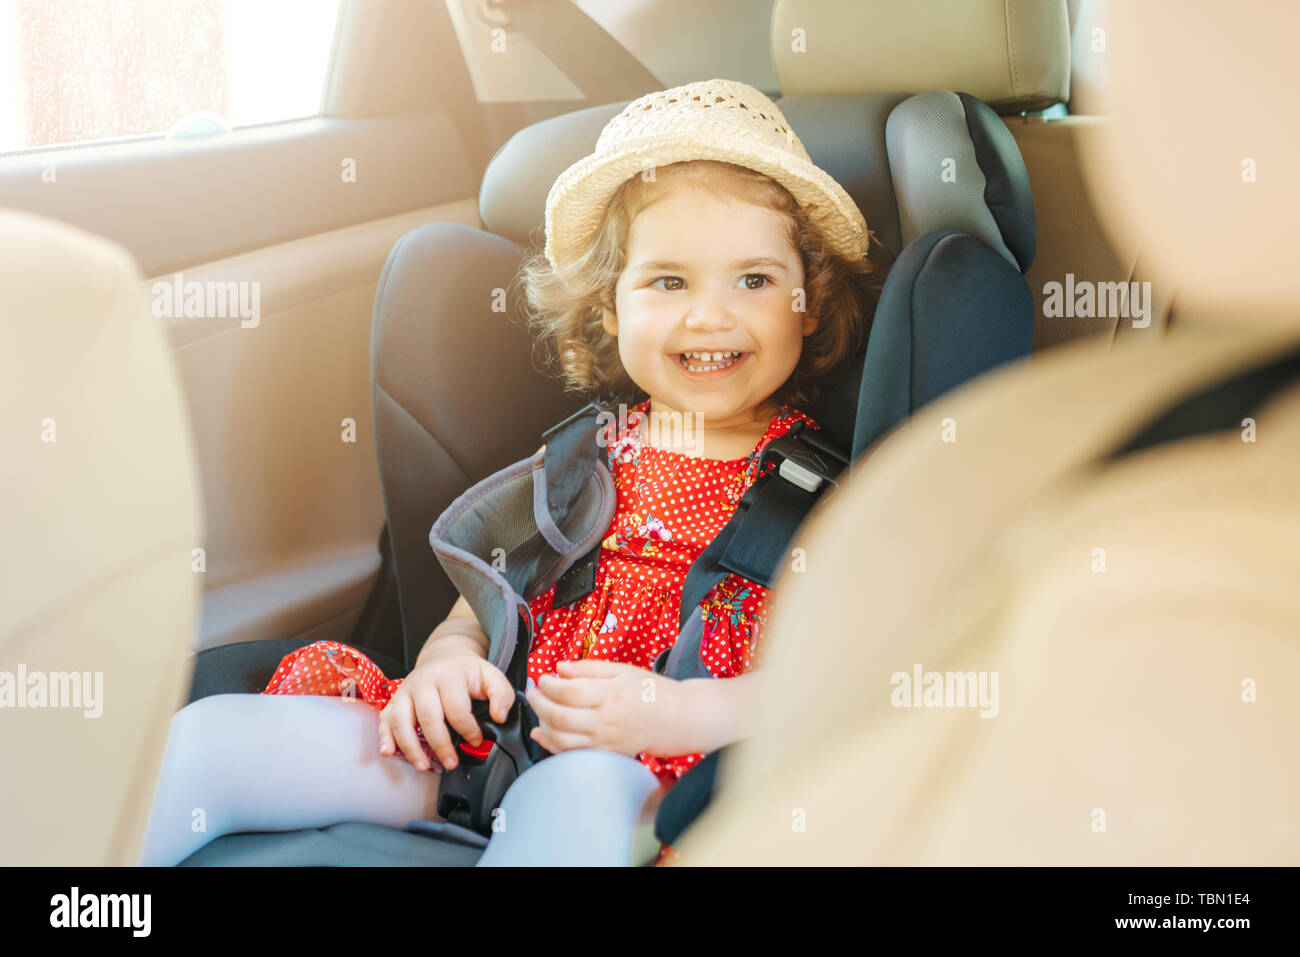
[{"x": 708, "y": 318}]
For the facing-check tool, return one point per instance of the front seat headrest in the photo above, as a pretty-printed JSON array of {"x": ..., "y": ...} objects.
[{"x": 1012, "y": 54}]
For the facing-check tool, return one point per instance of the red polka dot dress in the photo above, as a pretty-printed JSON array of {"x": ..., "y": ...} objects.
[{"x": 670, "y": 506}]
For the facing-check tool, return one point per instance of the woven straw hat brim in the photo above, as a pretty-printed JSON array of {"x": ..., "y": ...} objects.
[{"x": 576, "y": 203}]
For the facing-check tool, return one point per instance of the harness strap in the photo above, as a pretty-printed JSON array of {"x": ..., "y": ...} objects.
[
  {"x": 573, "y": 450},
  {"x": 537, "y": 520},
  {"x": 796, "y": 470}
]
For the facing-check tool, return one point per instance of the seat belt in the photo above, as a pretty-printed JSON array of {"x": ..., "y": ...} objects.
[
  {"x": 456, "y": 84},
  {"x": 601, "y": 67}
]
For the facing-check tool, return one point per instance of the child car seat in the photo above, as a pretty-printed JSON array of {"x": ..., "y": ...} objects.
[{"x": 940, "y": 181}]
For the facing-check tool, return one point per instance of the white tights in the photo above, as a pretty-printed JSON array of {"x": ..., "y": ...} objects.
[{"x": 249, "y": 762}]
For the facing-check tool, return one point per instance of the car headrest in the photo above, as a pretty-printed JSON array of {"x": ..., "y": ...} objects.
[
  {"x": 913, "y": 164},
  {"x": 955, "y": 165},
  {"x": 512, "y": 196},
  {"x": 1217, "y": 224},
  {"x": 1012, "y": 54}
]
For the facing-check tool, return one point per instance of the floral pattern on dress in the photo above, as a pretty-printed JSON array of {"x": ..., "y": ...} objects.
[{"x": 669, "y": 507}]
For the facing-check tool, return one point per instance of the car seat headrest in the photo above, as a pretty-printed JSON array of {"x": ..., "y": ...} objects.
[
  {"x": 955, "y": 165},
  {"x": 512, "y": 197},
  {"x": 1012, "y": 54}
]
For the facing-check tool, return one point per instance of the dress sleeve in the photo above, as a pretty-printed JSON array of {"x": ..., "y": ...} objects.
[{"x": 332, "y": 668}]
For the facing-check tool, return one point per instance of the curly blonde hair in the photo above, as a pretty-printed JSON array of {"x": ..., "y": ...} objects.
[{"x": 566, "y": 309}]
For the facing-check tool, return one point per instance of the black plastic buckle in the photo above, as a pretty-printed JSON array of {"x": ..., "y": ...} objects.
[
  {"x": 579, "y": 581},
  {"x": 802, "y": 458},
  {"x": 471, "y": 791}
]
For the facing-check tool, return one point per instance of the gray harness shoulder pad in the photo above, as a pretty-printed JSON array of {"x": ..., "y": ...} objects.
[
  {"x": 504, "y": 541},
  {"x": 511, "y": 536}
]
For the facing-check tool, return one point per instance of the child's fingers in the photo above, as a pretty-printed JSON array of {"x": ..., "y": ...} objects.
[
  {"x": 456, "y": 709},
  {"x": 500, "y": 693},
  {"x": 539, "y": 735},
  {"x": 559, "y": 717},
  {"x": 590, "y": 668},
  {"x": 557, "y": 741},
  {"x": 402, "y": 723},
  {"x": 573, "y": 691},
  {"x": 428, "y": 710},
  {"x": 387, "y": 746}
]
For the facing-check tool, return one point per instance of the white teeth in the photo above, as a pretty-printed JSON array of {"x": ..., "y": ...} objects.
[{"x": 713, "y": 360}]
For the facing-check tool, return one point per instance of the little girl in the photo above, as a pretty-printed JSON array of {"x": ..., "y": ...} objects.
[{"x": 699, "y": 268}]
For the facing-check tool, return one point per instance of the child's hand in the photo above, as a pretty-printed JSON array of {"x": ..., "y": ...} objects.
[
  {"x": 438, "y": 692},
  {"x": 607, "y": 705}
]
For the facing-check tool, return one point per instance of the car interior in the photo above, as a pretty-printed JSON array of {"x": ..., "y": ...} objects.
[{"x": 235, "y": 487}]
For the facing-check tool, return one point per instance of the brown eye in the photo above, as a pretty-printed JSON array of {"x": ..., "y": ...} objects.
[
  {"x": 756, "y": 275},
  {"x": 669, "y": 279}
]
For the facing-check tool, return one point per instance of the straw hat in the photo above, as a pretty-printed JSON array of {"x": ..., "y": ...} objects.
[{"x": 711, "y": 119}]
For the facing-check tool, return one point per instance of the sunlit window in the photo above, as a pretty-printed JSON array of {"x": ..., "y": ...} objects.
[{"x": 84, "y": 71}]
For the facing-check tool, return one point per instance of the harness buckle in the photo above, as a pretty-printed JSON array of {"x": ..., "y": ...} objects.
[
  {"x": 803, "y": 458},
  {"x": 471, "y": 791}
]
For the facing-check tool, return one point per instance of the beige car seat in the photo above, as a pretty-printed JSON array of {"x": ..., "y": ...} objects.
[
  {"x": 101, "y": 516},
  {"x": 1139, "y": 611}
]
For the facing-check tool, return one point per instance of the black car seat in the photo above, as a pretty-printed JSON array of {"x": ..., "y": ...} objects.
[{"x": 456, "y": 395}]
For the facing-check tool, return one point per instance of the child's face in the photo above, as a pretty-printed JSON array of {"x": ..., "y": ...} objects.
[{"x": 714, "y": 299}]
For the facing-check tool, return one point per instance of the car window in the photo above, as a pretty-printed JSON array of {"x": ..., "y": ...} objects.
[{"x": 76, "y": 73}]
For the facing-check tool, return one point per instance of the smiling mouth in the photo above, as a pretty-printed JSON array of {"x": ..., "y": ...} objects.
[{"x": 699, "y": 362}]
